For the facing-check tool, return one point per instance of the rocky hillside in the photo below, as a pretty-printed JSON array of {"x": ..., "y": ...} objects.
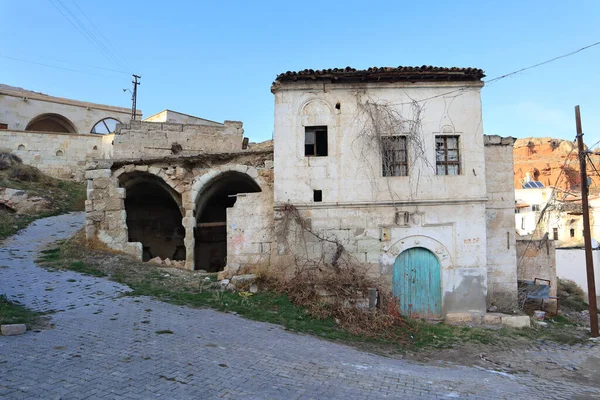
[
  {"x": 26, "y": 194},
  {"x": 553, "y": 162}
]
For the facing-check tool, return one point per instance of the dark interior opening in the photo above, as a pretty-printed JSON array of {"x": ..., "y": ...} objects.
[
  {"x": 211, "y": 219},
  {"x": 50, "y": 123},
  {"x": 317, "y": 195},
  {"x": 154, "y": 219}
]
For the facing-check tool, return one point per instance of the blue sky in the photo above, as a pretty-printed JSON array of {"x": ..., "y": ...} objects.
[{"x": 218, "y": 59}]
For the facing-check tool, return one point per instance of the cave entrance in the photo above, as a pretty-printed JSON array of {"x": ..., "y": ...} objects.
[{"x": 211, "y": 218}]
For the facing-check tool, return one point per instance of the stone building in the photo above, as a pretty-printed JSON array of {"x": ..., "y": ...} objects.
[
  {"x": 55, "y": 134},
  {"x": 389, "y": 164}
]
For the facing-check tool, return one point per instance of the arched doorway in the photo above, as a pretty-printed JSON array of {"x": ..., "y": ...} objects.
[
  {"x": 153, "y": 216},
  {"x": 417, "y": 283},
  {"x": 211, "y": 218},
  {"x": 51, "y": 123}
]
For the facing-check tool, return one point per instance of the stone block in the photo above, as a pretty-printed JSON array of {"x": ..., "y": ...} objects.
[
  {"x": 98, "y": 173},
  {"x": 238, "y": 279},
  {"x": 13, "y": 329},
  {"x": 516, "y": 321},
  {"x": 100, "y": 183},
  {"x": 115, "y": 204},
  {"x": 470, "y": 317},
  {"x": 156, "y": 260},
  {"x": 492, "y": 319}
]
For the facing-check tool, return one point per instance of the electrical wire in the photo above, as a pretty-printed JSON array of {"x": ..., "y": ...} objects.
[
  {"x": 114, "y": 49},
  {"x": 82, "y": 29},
  {"x": 64, "y": 68}
]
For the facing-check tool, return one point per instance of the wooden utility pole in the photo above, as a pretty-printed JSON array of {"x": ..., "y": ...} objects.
[
  {"x": 587, "y": 237},
  {"x": 134, "y": 96}
]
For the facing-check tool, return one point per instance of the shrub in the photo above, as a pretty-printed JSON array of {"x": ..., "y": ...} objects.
[
  {"x": 571, "y": 296},
  {"x": 8, "y": 160}
]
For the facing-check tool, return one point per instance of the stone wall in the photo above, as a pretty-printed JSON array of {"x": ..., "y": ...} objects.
[
  {"x": 140, "y": 139},
  {"x": 537, "y": 259},
  {"x": 18, "y": 108},
  {"x": 185, "y": 179},
  {"x": 60, "y": 155},
  {"x": 375, "y": 235},
  {"x": 500, "y": 225}
]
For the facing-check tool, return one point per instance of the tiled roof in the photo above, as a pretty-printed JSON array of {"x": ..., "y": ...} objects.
[{"x": 384, "y": 74}]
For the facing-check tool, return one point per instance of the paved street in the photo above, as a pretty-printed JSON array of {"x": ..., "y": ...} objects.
[{"x": 105, "y": 346}]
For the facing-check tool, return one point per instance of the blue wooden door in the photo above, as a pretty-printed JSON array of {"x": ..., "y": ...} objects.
[{"x": 417, "y": 283}]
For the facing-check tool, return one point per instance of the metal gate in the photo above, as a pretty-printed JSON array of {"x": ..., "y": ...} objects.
[{"x": 417, "y": 283}]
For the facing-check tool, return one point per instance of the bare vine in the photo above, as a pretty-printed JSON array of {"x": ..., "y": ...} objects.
[{"x": 396, "y": 136}]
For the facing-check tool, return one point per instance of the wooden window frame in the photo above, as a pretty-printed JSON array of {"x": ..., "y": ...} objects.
[
  {"x": 390, "y": 170},
  {"x": 318, "y": 147},
  {"x": 445, "y": 163}
]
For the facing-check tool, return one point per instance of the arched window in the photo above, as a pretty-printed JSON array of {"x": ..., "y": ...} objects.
[{"x": 105, "y": 126}]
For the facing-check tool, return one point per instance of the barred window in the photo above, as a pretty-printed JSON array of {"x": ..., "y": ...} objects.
[
  {"x": 447, "y": 158},
  {"x": 393, "y": 156}
]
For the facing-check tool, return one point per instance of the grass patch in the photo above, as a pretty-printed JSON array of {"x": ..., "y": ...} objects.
[
  {"x": 182, "y": 287},
  {"x": 13, "y": 313},
  {"x": 64, "y": 196},
  {"x": 164, "y": 332}
]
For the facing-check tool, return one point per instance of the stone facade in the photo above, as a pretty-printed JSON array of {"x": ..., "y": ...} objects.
[
  {"x": 500, "y": 230},
  {"x": 18, "y": 107},
  {"x": 62, "y": 155},
  {"x": 154, "y": 139},
  {"x": 185, "y": 179},
  {"x": 450, "y": 194}
]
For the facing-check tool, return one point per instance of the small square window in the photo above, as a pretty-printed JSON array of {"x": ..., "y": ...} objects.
[
  {"x": 447, "y": 157},
  {"x": 315, "y": 141},
  {"x": 535, "y": 207},
  {"x": 317, "y": 196},
  {"x": 393, "y": 156},
  {"x": 3, "y": 126}
]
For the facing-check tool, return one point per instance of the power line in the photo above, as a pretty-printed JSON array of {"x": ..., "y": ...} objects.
[
  {"x": 63, "y": 68},
  {"x": 81, "y": 28},
  {"x": 542, "y": 63},
  {"x": 66, "y": 62},
  {"x": 116, "y": 52}
]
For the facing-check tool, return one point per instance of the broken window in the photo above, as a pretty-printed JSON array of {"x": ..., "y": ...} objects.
[
  {"x": 447, "y": 159},
  {"x": 315, "y": 141},
  {"x": 393, "y": 156}
]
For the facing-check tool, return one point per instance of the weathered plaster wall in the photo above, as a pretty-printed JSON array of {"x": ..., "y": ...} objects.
[
  {"x": 500, "y": 225},
  {"x": 354, "y": 162},
  {"x": 447, "y": 214},
  {"x": 153, "y": 139},
  {"x": 537, "y": 259},
  {"x": 250, "y": 227},
  {"x": 60, "y": 155},
  {"x": 570, "y": 264},
  {"x": 17, "y": 112}
]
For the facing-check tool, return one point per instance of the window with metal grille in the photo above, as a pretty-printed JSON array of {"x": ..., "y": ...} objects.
[
  {"x": 315, "y": 141},
  {"x": 394, "y": 160},
  {"x": 554, "y": 233},
  {"x": 447, "y": 157}
]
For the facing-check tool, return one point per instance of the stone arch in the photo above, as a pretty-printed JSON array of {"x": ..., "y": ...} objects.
[
  {"x": 51, "y": 122},
  {"x": 21, "y": 147},
  {"x": 436, "y": 247},
  {"x": 154, "y": 215},
  {"x": 316, "y": 112},
  {"x": 214, "y": 193},
  {"x": 59, "y": 153}
]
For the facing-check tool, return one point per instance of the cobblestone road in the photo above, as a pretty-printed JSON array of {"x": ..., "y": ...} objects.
[{"x": 105, "y": 346}]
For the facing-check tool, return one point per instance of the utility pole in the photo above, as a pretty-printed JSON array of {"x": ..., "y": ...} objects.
[
  {"x": 134, "y": 95},
  {"x": 589, "y": 263}
]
